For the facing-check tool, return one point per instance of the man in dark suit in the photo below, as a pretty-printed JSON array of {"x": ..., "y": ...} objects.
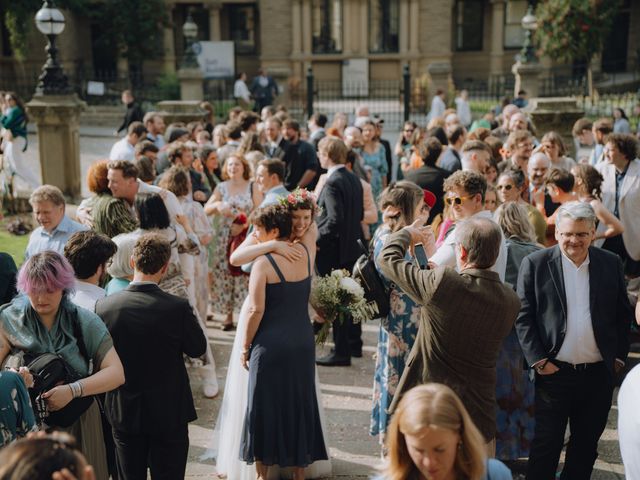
[
  {"x": 276, "y": 146},
  {"x": 573, "y": 328},
  {"x": 428, "y": 176},
  {"x": 338, "y": 232},
  {"x": 151, "y": 331},
  {"x": 464, "y": 319}
]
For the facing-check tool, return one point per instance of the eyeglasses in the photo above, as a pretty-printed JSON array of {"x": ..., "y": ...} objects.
[
  {"x": 579, "y": 235},
  {"x": 504, "y": 187},
  {"x": 524, "y": 145},
  {"x": 457, "y": 200}
]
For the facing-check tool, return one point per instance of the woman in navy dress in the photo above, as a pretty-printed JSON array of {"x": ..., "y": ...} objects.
[{"x": 282, "y": 423}]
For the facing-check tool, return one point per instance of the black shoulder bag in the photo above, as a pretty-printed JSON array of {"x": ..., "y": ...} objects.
[
  {"x": 50, "y": 370},
  {"x": 375, "y": 290}
]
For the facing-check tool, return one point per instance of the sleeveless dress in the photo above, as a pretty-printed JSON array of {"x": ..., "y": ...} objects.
[{"x": 282, "y": 422}]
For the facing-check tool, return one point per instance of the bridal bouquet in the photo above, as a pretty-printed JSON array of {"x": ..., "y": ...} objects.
[{"x": 336, "y": 295}]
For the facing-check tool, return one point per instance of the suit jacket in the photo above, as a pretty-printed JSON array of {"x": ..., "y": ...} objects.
[
  {"x": 542, "y": 321},
  {"x": 339, "y": 221},
  {"x": 464, "y": 319},
  {"x": 151, "y": 330},
  {"x": 430, "y": 178},
  {"x": 628, "y": 202}
]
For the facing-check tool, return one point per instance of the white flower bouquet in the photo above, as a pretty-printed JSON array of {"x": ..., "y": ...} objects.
[{"x": 336, "y": 295}]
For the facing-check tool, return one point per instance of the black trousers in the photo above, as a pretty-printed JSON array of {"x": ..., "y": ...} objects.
[
  {"x": 165, "y": 454},
  {"x": 581, "y": 397}
]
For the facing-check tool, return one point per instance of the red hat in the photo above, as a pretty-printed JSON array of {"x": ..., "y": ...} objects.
[{"x": 429, "y": 198}]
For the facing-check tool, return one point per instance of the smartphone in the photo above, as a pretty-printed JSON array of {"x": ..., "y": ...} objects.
[{"x": 421, "y": 256}]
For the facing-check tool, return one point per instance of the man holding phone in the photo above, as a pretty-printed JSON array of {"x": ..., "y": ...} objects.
[{"x": 464, "y": 316}]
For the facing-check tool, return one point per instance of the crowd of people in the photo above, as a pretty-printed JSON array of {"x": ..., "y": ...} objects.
[{"x": 518, "y": 328}]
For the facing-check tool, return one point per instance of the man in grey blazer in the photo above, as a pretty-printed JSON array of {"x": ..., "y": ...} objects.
[
  {"x": 269, "y": 179},
  {"x": 465, "y": 317}
]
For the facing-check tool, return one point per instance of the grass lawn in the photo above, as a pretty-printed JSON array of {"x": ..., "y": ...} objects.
[{"x": 14, "y": 245}]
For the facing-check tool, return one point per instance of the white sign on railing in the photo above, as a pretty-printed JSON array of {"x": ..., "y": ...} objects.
[
  {"x": 216, "y": 59},
  {"x": 355, "y": 77}
]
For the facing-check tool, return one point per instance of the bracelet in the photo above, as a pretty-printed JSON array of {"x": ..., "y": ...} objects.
[
  {"x": 76, "y": 389},
  {"x": 542, "y": 365}
]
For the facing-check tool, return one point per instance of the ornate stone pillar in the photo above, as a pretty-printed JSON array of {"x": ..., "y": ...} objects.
[
  {"x": 57, "y": 119},
  {"x": 527, "y": 78},
  {"x": 497, "y": 37}
]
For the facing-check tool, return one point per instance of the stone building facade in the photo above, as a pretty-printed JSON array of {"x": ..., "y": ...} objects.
[{"x": 467, "y": 39}]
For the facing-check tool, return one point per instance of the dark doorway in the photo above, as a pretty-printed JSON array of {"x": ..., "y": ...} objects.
[
  {"x": 104, "y": 54},
  {"x": 615, "y": 48}
]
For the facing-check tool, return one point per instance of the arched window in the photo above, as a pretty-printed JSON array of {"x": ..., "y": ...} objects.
[
  {"x": 384, "y": 26},
  {"x": 326, "y": 26}
]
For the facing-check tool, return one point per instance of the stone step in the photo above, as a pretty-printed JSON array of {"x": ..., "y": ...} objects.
[{"x": 102, "y": 115}]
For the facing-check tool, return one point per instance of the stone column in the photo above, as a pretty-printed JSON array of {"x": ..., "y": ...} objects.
[
  {"x": 296, "y": 27},
  {"x": 347, "y": 43},
  {"x": 497, "y": 37},
  {"x": 414, "y": 28},
  {"x": 404, "y": 27},
  {"x": 440, "y": 73},
  {"x": 306, "y": 26},
  {"x": 57, "y": 120},
  {"x": 169, "y": 43},
  {"x": 191, "y": 83},
  {"x": 363, "y": 15},
  {"x": 527, "y": 78},
  {"x": 215, "y": 33}
]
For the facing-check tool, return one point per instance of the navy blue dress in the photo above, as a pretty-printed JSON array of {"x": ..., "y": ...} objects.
[{"x": 282, "y": 423}]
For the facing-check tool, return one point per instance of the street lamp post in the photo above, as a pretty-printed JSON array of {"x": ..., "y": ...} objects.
[
  {"x": 190, "y": 32},
  {"x": 50, "y": 22},
  {"x": 530, "y": 24}
]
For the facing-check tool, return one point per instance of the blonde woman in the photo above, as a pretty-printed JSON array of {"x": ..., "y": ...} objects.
[{"x": 432, "y": 437}]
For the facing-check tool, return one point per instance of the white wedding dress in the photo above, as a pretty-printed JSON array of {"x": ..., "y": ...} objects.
[{"x": 231, "y": 419}]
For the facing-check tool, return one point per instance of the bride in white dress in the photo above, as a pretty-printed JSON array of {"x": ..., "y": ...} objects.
[{"x": 225, "y": 447}]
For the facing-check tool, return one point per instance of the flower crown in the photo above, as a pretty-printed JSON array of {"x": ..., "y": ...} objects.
[{"x": 299, "y": 198}]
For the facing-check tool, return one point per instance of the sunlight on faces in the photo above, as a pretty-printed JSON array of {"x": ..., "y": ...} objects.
[
  {"x": 507, "y": 190},
  {"x": 537, "y": 169},
  {"x": 272, "y": 130},
  {"x": 574, "y": 238},
  {"x": 468, "y": 205},
  {"x": 368, "y": 132},
  {"x": 301, "y": 220},
  {"x": 234, "y": 167},
  {"x": 491, "y": 174},
  {"x": 490, "y": 201},
  {"x": 433, "y": 451},
  {"x": 48, "y": 215},
  {"x": 212, "y": 161},
  {"x": 120, "y": 186}
]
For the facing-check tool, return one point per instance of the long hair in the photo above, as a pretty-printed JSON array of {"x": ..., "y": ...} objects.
[
  {"x": 401, "y": 198},
  {"x": 513, "y": 218},
  {"x": 14, "y": 96},
  {"x": 437, "y": 406},
  {"x": 591, "y": 179}
]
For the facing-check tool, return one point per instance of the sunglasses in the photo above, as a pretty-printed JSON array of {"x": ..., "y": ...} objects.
[
  {"x": 457, "y": 200},
  {"x": 504, "y": 187}
]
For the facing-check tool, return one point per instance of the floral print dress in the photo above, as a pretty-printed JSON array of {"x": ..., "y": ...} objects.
[
  {"x": 228, "y": 291},
  {"x": 395, "y": 341}
]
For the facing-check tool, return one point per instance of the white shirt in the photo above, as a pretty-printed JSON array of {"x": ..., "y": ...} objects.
[
  {"x": 87, "y": 294},
  {"x": 170, "y": 200},
  {"x": 579, "y": 345},
  {"x": 446, "y": 254},
  {"x": 629, "y": 423},
  {"x": 240, "y": 90},
  {"x": 122, "y": 150},
  {"x": 464, "y": 111},
  {"x": 437, "y": 107}
]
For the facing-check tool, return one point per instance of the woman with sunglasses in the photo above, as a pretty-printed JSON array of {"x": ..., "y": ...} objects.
[
  {"x": 402, "y": 203},
  {"x": 510, "y": 186}
]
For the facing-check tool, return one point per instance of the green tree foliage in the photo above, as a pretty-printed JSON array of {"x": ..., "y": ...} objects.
[
  {"x": 133, "y": 27},
  {"x": 19, "y": 19},
  {"x": 574, "y": 30}
]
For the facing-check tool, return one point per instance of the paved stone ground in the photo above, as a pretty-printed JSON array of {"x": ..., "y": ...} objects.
[{"x": 346, "y": 392}]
